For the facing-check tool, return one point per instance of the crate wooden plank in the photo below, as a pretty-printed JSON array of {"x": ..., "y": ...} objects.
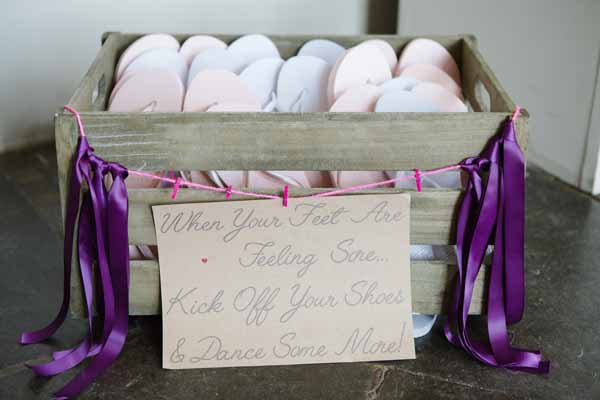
[
  {"x": 66, "y": 143},
  {"x": 431, "y": 219},
  {"x": 288, "y": 141},
  {"x": 431, "y": 287}
]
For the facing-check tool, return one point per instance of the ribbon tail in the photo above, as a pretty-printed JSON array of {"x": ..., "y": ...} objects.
[
  {"x": 505, "y": 355},
  {"x": 87, "y": 251},
  {"x": 469, "y": 202},
  {"x": 72, "y": 208},
  {"x": 507, "y": 285},
  {"x": 513, "y": 181},
  {"x": 118, "y": 260},
  {"x": 67, "y": 359},
  {"x": 474, "y": 253}
]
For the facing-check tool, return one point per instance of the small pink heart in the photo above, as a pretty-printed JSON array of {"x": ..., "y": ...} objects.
[{"x": 204, "y": 260}]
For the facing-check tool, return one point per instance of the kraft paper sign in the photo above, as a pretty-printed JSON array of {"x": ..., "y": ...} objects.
[{"x": 254, "y": 283}]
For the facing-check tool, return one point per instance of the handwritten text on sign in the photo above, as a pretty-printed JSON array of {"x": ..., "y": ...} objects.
[{"x": 254, "y": 283}]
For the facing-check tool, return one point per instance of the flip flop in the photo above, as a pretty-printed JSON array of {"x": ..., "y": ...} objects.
[
  {"x": 363, "y": 64},
  {"x": 387, "y": 50},
  {"x": 302, "y": 85},
  {"x": 141, "y": 45},
  {"x": 215, "y": 59},
  {"x": 440, "y": 96},
  {"x": 153, "y": 90},
  {"x": 431, "y": 73},
  {"x": 213, "y": 87},
  {"x": 253, "y": 47},
  {"x": 326, "y": 50},
  {"x": 427, "y": 51},
  {"x": 164, "y": 58},
  {"x": 261, "y": 77},
  {"x": 195, "y": 45},
  {"x": 360, "y": 98}
]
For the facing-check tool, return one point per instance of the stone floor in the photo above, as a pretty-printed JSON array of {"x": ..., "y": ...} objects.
[{"x": 562, "y": 316}]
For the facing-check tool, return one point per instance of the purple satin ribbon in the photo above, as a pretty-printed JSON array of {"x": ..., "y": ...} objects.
[
  {"x": 493, "y": 213},
  {"x": 101, "y": 223}
]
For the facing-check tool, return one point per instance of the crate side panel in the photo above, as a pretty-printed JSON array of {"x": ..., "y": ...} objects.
[
  {"x": 432, "y": 212},
  {"x": 431, "y": 288},
  {"x": 269, "y": 141}
]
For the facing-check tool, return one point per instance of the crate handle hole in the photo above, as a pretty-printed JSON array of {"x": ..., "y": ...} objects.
[
  {"x": 99, "y": 90},
  {"x": 483, "y": 99}
]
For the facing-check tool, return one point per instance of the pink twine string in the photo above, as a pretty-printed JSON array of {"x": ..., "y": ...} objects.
[
  {"x": 516, "y": 113},
  {"x": 387, "y": 182},
  {"x": 229, "y": 190},
  {"x": 78, "y": 117}
]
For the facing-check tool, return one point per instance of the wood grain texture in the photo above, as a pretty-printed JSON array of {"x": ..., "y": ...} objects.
[
  {"x": 65, "y": 129},
  {"x": 432, "y": 211},
  {"x": 289, "y": 141},
  {"x": 431, "y": 287}
]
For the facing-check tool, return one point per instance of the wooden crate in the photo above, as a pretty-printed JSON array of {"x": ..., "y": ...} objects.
[{"x": 290, "y": 141}]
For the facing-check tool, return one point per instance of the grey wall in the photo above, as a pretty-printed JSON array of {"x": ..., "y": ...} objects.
[
  {"x": 546, "y": 53},
  {"x": 48, "y": 45}
]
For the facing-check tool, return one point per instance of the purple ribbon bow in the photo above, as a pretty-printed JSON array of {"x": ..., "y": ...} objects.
[
  {"x": 101, "y": 223},
  {"x": 493, "y": 213}
]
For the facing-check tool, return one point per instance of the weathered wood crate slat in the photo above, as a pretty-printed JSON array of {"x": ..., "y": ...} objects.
[
  {"x": 431, "y": 278},
  {"x": 431, "y": 211},
  {"x": 290, "y": 141}
]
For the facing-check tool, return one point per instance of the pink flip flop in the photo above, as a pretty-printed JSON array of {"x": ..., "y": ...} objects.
[
  {"x": 387, "y": 50},
  {"x": 195, "y": 45},
  {"x": 360, "y": 98},
  {"x": 168, "y": 59},
  {"x": 427, "y": 51},
  {"x": 237, "y": 179},
  {"x": 363, "y": 64},
  {"x": 154, "y": 90},
  {"x": 143, "y": 44},
  {"x": 440, "y": 96},
  {"x": 213, "y": 87},
  {"x": 431, "y": 73}
]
